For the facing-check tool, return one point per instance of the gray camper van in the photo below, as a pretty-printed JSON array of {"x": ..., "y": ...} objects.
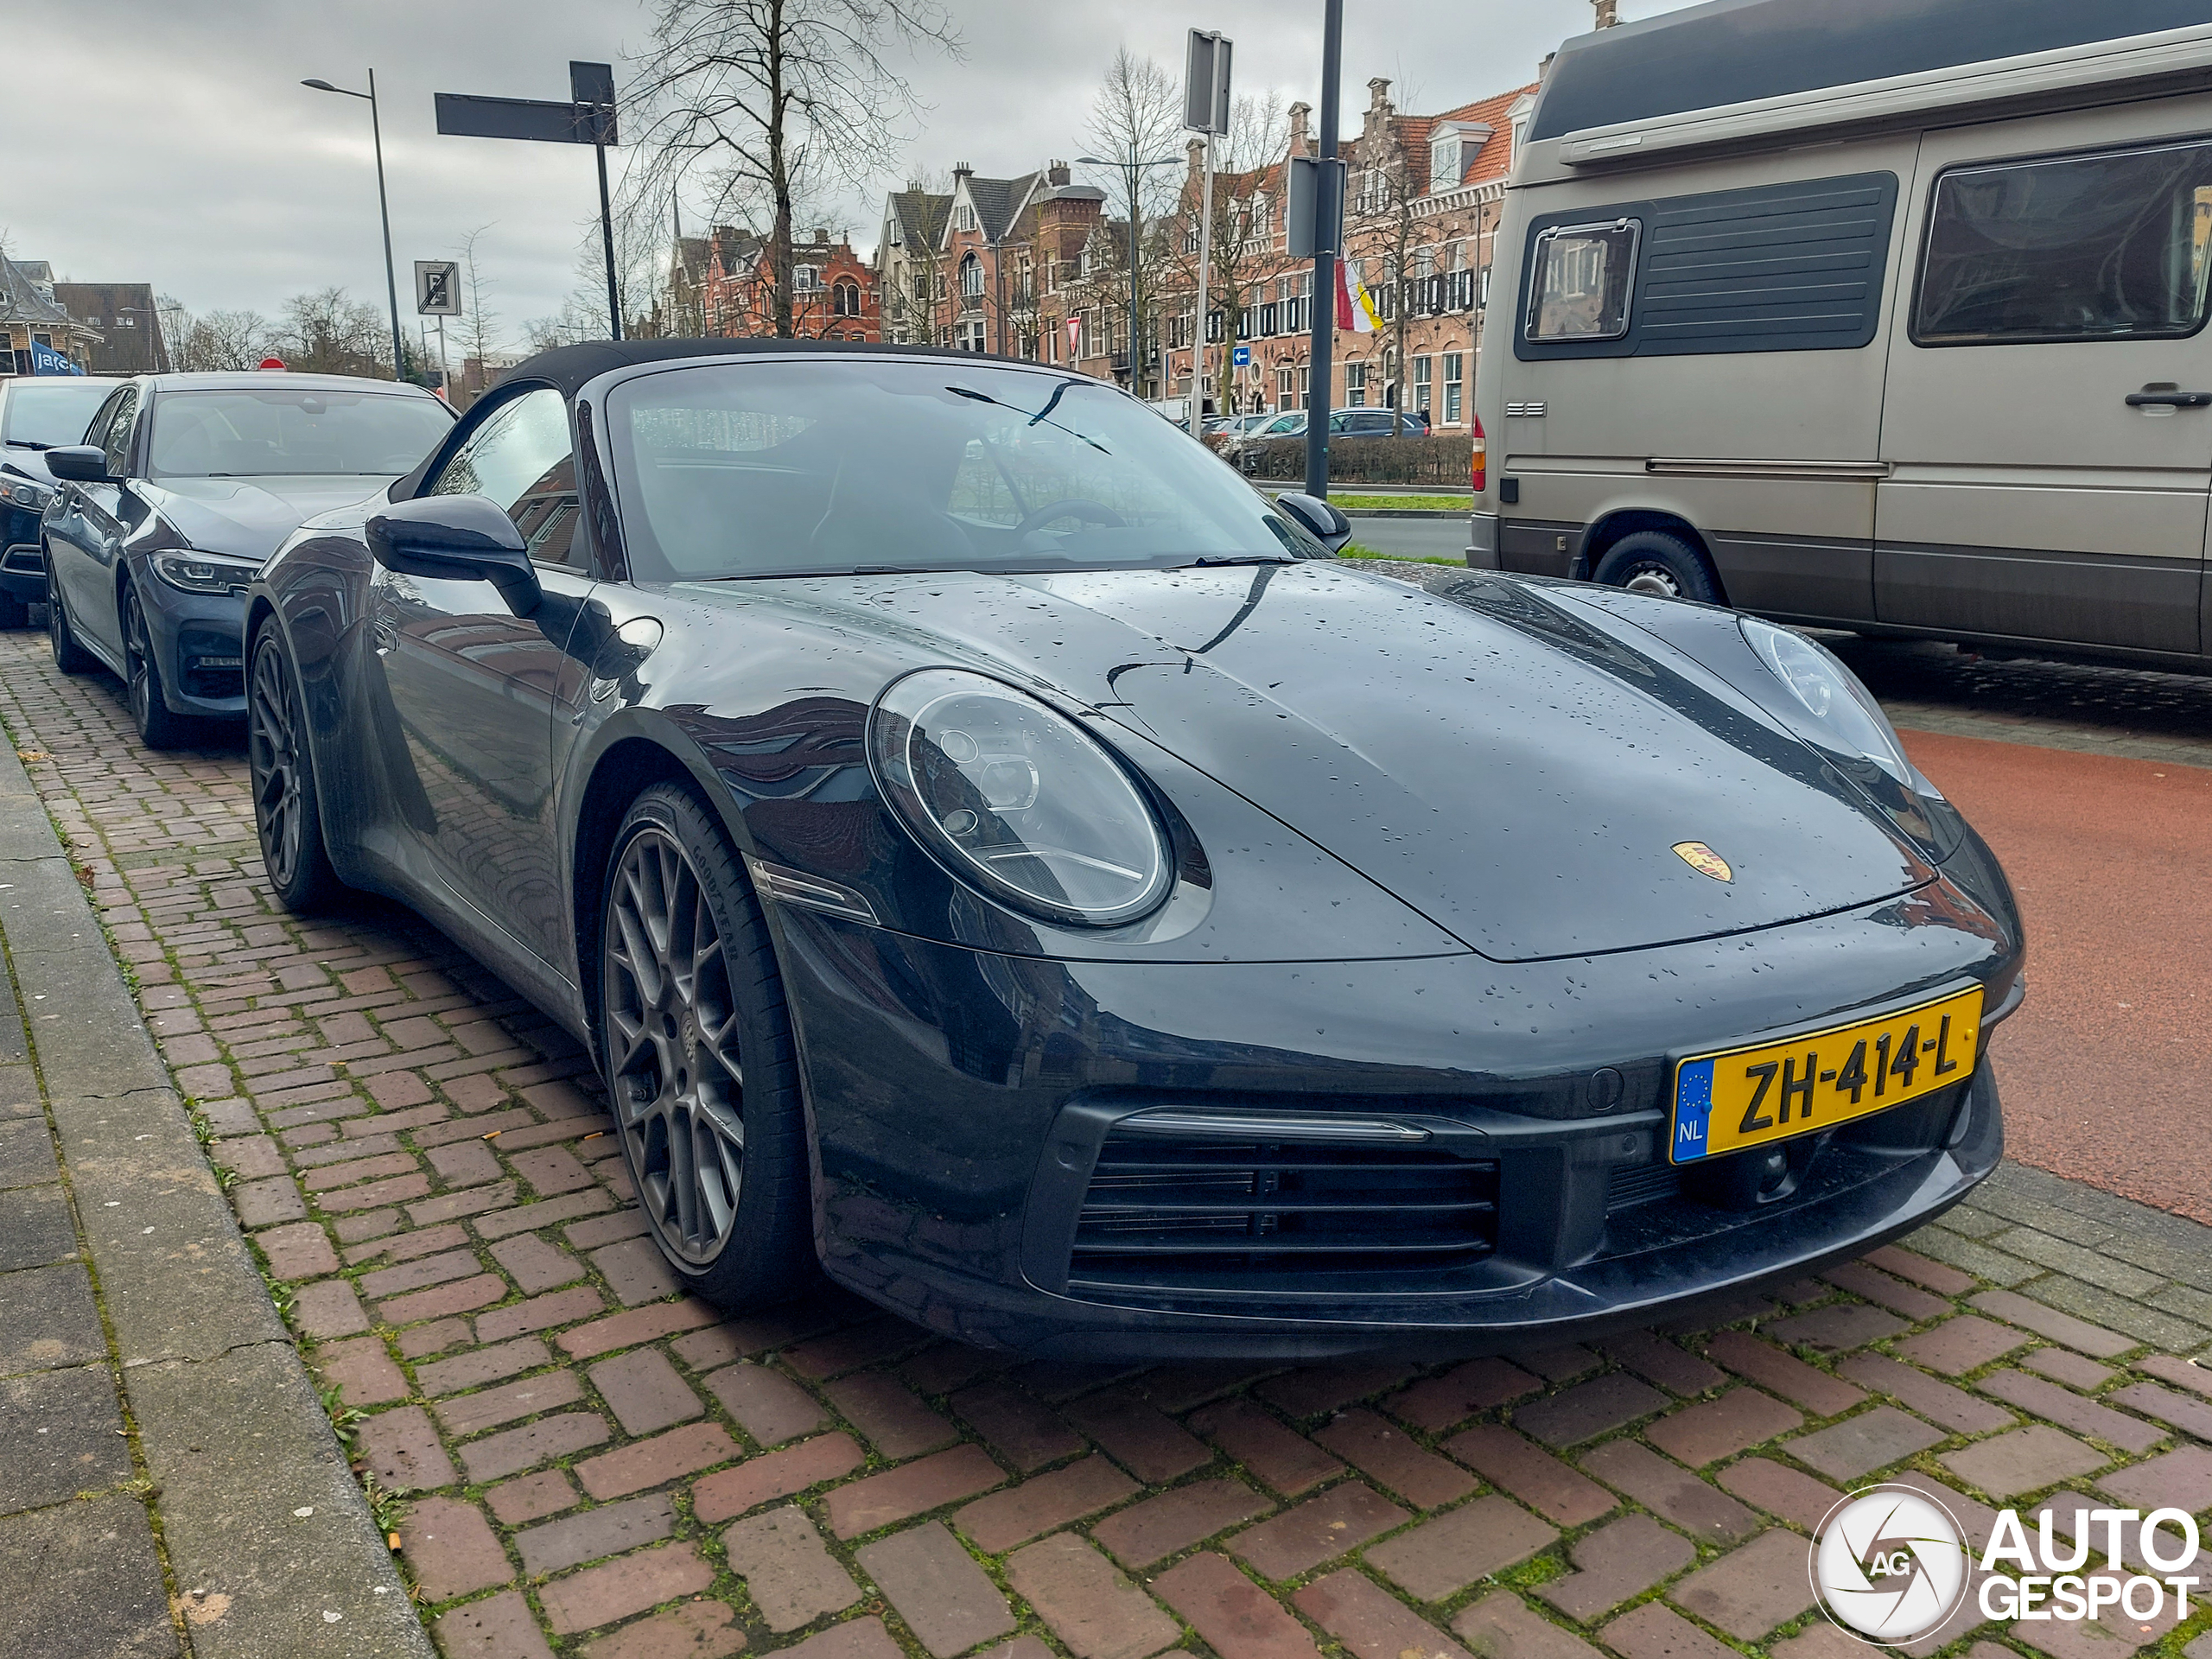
[{"x": 1879, "y": 314}]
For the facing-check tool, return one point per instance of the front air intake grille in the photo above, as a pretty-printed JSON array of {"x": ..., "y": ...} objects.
[
  {"x": 1206, "y": 1209},
  {"x": 1640, "y": 1183}
]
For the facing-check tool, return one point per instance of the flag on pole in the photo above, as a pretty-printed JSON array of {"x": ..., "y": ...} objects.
[{"x": 1355, "y": 305}]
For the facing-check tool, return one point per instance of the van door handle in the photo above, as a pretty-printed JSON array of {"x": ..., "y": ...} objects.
[{"x": 2170, "y": 399}]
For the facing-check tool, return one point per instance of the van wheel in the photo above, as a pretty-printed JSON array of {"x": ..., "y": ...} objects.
[{"x": 1653, "y": 562}]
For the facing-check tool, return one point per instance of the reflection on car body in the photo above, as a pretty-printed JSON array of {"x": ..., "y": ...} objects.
[{"x": 993, "y": 852}]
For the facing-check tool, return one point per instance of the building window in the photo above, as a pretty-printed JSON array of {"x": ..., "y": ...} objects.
[
  {"x": 964, "y": 218},
  {"x": 1420, "y": 383},
  {"x": 845, "y": 299},
  {"x": 1285, "y": 387},
  {"x": 806, "y": 279},
  {"x": 971, "y": 279},
  {"x": 1391, "y": 376},
  {"x": 1355, "y": 385},
  {"x": 1453, "y": 360},
  {"x": 970, "y": 335}
]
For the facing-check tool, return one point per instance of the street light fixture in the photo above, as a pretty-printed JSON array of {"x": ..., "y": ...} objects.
[
  {"x": 383, "y": 207},
  {"x": 1130, "y": 166}
]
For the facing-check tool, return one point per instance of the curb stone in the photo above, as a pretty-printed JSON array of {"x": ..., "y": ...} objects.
[{"x": 255, "y": 1498}]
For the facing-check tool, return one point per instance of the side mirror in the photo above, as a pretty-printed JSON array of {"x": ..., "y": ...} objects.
[
  {"x": 1328, "y": 527},
  {"x": 456, "y": 538},
  {"x": 78, "y": 463}
]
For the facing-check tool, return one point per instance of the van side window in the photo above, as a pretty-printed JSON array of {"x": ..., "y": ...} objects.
[
  {"x": 2110, "y": 246},
  {"x": 1579, "y": 289}
]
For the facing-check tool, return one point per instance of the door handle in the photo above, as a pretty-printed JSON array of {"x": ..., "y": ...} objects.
[{"x": 2170, "y": 399}]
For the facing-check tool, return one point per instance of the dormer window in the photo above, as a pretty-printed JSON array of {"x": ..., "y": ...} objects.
[
  {"x": 1451, "y": 150},
  {"x": 964, "y": 218}
]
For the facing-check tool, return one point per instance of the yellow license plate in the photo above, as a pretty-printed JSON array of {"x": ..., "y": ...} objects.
[{"x": 1771, "y": 1091}]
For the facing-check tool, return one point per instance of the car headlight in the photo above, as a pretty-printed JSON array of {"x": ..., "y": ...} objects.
[
  {"x": 1827, "y": 707},
  {"x": 197, "y": 573},
  {"x": 23, "y": 493},
  {"x": 1017, "y": 800}
]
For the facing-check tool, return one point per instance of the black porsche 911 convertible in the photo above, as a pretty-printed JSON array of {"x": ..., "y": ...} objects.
[{"x": 995, "y": 852}]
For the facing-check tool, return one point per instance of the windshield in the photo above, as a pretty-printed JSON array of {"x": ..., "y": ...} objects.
[
  {"x": 292, "y": 432},
  {"x": 41, "y": 416},
  {"x": 871, "y": 466}
]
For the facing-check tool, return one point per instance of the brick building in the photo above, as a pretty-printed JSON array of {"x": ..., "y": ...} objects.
[
  {"x": 1006, "y": 265},
  {"x": 30, "y": 315},
  {"x": 722, "y": 284},
  {"x": 125, "y": 319}
]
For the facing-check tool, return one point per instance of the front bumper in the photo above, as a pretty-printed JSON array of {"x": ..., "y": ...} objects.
[
  {"x": 972, "y": 1115},
  {"x": 197, "y": 641}
]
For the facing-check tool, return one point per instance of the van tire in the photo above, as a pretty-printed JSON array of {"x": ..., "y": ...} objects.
[{"x": 1653, "y": 562}]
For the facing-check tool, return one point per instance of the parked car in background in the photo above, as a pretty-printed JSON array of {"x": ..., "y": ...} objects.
[
  {"x": 184, "y": 485},
  {"x": 1889, "y": 318},
  {"x": 38, "y": 413},
  {"x": 1342, "y": 424},
  {"x": 995, "y": 854}
]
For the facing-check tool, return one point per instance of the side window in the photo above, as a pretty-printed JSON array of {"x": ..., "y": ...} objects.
[
  {"x": 522, "y": 459},
  {"x": 2110, "y": 246},
  {"x": 114, "y": 425},
  {"x": 1580, "y": 288}
]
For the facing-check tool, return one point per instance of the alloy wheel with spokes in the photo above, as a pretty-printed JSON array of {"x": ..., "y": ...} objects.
[
  {"x": 280, "y": 773},
  {"x": 672, "y": 1034},
  {"x": 149, "y": 710}
]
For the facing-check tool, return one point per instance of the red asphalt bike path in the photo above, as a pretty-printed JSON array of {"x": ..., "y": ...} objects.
[{"x": 2106, "y": 1069}]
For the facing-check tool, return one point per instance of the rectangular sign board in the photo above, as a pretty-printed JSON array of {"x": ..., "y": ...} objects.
[
  {"x": 1206, "y": 83},
  {"x": 437, "y": 288}
]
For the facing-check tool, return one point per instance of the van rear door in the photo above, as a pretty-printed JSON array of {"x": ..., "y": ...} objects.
[{"x": 2048, "y": 417}]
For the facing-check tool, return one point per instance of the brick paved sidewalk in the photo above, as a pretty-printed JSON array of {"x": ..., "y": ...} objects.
[{"x": 592, "y": 1467}]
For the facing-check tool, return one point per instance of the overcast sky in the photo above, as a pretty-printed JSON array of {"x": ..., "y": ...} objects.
[{"x": 173, "y": 143}]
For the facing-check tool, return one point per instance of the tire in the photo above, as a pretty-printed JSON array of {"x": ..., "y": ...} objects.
[
  {"x": 157, "y": 723},
  {"x": 280, "y": 766},
  {"x": 702, "y": 1075},
  {"x": 69, "y": 656},
  {"x": 14, "y": 612},
  {"x": 1654, "y": 562}
]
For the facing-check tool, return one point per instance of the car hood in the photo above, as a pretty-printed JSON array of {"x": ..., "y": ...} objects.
[
  {"x": 26, "y": 463},
  {"x": 247, "y": 518},
  {"x": 1506, "y": 763}
]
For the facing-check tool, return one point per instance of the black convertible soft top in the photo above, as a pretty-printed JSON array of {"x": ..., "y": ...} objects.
[
  {"x": 1735, "y": 51},
  {"x": 568, "y": 367}
]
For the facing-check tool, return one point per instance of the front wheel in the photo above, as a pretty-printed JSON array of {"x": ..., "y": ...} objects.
[
  {"x": 698, "y": 1057},
  {"x": 161, "y": 726},
  {"x": 286, "y": 818}
]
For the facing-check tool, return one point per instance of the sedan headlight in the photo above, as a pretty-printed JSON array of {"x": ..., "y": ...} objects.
[
  {"x": 1017, "y": 800},
  {"x": 1827, "y": 707},
  {"x": 198, "y": 572},
  {"x": 23, "y": 493}
]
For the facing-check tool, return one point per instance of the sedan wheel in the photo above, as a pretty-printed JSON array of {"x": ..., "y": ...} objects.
[
  {"x": 286, "y": 816},
  {"x": 699, "y": 1056},
  {"x": 68, "y": 656},
  {"x": 149, "y": 710}
]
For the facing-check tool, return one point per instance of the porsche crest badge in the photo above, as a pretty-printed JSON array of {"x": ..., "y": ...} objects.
[{"x": 1702, "y": 859}]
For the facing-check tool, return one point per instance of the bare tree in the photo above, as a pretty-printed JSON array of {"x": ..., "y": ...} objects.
[
  {"x": 329, "y": 332},
  {"x": 1247, "y": 252},
  {"x": 218, "y": 339},
  {"x": 774, "y": 99},
  {"x": 478, "y": 328},
  {"x": 1135, "y": 120}
]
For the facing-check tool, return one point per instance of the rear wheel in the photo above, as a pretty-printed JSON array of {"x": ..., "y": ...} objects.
[
  {"x": 1654, "y": 562},
  {"x": 699, "y": 1058},
  {"x": 160, "y": 725},
  {"x": 286, "y": 817},
  {"x": 68, "y": 656}
]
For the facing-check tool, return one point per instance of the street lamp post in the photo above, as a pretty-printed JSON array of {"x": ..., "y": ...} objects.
[
  {"x": 384, "y": 208},
  {"x": 1130, "y": 168}
]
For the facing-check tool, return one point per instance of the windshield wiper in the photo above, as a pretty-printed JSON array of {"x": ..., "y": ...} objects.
[
  {"x": 1246, "y": 558},
  {"x": 985, "y": 398},
  {"x": 28, "y": 443}
]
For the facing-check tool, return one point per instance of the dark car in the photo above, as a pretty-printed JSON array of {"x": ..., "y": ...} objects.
[
  {"x": 37, "y": 413},
  {"x": 991, "y": 849},
  {"x": 184, "y": 484},
  {"x": 1244, "y": 451}
]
